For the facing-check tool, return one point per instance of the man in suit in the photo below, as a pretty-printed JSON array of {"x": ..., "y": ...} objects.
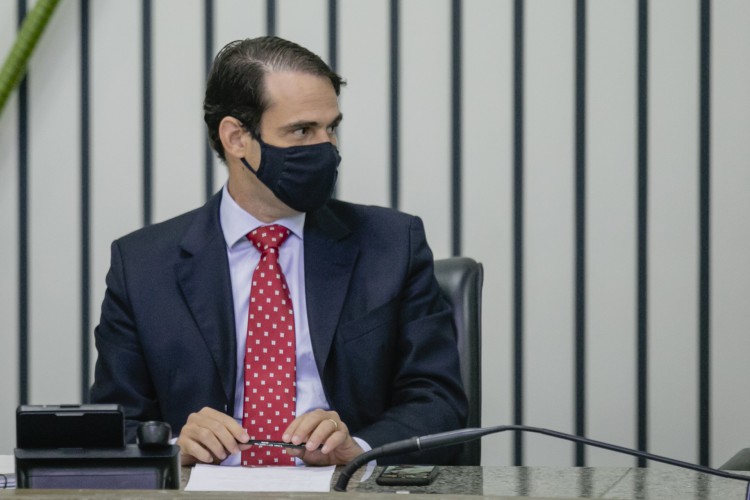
[{"x": 375, "y": 353}]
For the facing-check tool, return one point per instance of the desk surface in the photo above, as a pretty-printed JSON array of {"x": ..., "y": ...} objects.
[{"x": 494, "y": 481}]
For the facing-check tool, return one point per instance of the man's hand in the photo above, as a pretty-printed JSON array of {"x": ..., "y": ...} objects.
[
  {"x": 321, "y": 428},
  {"x": 210, "y": 436}
]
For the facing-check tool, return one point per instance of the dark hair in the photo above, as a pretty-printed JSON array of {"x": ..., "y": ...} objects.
[{"x": 236, "y": 82}]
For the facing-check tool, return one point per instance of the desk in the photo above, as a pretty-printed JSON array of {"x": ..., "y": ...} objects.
[{"x": 469, "y": 482}]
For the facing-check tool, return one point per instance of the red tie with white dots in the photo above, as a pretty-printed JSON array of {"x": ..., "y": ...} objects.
[{"x": 270, "y": 392}]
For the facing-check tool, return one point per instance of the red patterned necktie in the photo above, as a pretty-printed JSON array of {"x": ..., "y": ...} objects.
[{"x": 270, "y": 392}]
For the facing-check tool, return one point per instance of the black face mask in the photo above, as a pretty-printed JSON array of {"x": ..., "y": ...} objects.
[{"x": 301, "y": 176}]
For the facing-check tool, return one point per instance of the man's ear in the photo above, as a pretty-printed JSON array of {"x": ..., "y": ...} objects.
[{"x": 234, "y": 137}]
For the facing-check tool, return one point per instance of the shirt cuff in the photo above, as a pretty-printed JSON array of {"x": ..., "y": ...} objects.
[
  {"x": 371, "y": 464},
  {"x": 362, "y": 443}
]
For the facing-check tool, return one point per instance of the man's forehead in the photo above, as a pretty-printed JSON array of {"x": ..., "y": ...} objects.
[
  {"x": 300, "y": 97},
  {"x": 283, "y": 86}
]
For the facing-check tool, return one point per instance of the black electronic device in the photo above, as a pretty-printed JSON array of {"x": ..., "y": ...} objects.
[
  {"x": 276, "y": 444},
  {"x": 83, "y": 447},
  {"x": 407, "y": 475},
  {"x": 129, "y": 467},
  {"x": 153, "y": 435},
  {"x": 69, "y": 426}
]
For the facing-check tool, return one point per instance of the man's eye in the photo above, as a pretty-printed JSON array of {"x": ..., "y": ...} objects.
[
  {"x": 301, "y": 132},
  {"x": 332, "y": 129}
]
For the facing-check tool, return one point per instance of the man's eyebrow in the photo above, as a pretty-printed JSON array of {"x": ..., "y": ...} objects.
[
  {"x": 308, "y": 123},
  {"x": 299, "y": 124},
  {"x": 337, "y": 120}
]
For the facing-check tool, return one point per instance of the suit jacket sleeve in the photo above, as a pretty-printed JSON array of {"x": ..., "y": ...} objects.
[
  {"x": 121, "y": 375},
  {"x": 397, "y": 372},
  {"x": 165, "y": 341}
]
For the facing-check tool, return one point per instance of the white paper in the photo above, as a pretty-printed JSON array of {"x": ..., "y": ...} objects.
[{"x": 222, "y": 478}]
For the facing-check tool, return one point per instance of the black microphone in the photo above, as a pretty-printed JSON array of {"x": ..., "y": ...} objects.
[{"x": 469, "y": 434}]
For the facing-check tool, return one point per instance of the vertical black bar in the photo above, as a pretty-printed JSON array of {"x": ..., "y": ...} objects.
[
  {"x": 642, "y": 300},
  {"x": 271, "y": 17},
  {"x": 85, "y": 204},
  {"x": 580, "y": 230},
  {"x": 333, "y": 34},
  {"x": 208, "y": 53},
  {"x": 333, "y": 45},
  {"x": 23, "y": 230},
  {"x": 395, "y": 153},
  {"x": 456, "y": 74},
  {"x": 147, "y": 118},
  {"x": 456, "y": 125},
  {"x": 518, "y": 7},
  {"x": 704, "y": 440}
]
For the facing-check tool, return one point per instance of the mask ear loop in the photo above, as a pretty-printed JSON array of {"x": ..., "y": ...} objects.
[
  {"x": 244, "y": 162},
  {"x": 255, "y": 136}
]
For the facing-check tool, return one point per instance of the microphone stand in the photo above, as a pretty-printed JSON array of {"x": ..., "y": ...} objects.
[{"x": 472, "y": 433}]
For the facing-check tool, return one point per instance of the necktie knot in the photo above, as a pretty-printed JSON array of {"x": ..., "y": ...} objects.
[{"x": 268, "y": 238}]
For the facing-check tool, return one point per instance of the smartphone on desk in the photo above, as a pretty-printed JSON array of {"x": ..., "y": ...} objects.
[{"x": 407, "y": 475}]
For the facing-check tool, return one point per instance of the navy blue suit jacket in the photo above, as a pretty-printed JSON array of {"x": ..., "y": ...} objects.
[{"x": 381, "y": 333}]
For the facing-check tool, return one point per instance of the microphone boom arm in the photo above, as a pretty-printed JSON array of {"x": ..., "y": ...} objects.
[{"x": 472, "y": 433}]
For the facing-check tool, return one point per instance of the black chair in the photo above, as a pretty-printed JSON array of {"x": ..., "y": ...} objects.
[
  {"x": 740, "y": 461},
  {"x": 460, "y": 279}
]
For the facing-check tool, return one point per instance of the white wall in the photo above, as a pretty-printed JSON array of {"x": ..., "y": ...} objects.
[
  {"x": 487, "y": 230},
  {"x": 8, "y": 247}
]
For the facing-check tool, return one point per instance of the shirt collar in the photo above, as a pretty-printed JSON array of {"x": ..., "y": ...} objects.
[{"x": 236, "y": 222}]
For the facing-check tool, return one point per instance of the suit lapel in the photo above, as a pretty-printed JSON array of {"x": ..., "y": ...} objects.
[
  {"x": 203, "y": 276},
  {"x": 329, "y": 261}
]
